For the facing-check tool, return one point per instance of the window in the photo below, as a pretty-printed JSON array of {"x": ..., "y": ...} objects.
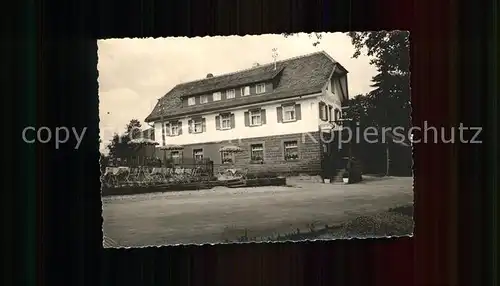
[
  {"x": 289, "y": 113},
  {"x": 197, "y": 126},
  {"x": 255, "y": 118},
  {"x": 225, "y": 121},
  {"x": 291, "y": 150},
  {"x": 226, "y": 157},
  {"x": 260, "y": 88},
  {"x": 257, "y": 152},
  {"x": 203, "y": 99},
  {"x": 338, "y": 115},
  {"x": 230, "y": 94},
  {"x": 175, "y": 154},
  {"x": 245, "y": 91},
  {"x": 174, "y": 130},
  {"x": 217, "y": 96},
  {"x": 198, "y": 154},
  {"x": 191, "y": 101},
  {"x": 323, "y": 111}
]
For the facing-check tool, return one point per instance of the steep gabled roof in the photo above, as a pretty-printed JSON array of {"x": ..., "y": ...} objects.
[
  {"x": 296, "y": 76},
  {"x": 213, "y": 84}
]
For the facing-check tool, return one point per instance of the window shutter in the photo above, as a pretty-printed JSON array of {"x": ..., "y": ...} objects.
[
  {"x": 179, "y": 128},
  {"x": 167, "y": 129},
  {"x": 321, "y": 110},
  {"x": 232, "y": 120},
  {"x": 279, "y": 113},
  {"x": 263, "y": 116},
  {"x": 247, "y": 119},
  {"x": 217, "y": 122},
  {"x": 330, "y": 113},
  {"x": 190, "y": 126},
  {"x": 203, "y": 125},
  {"x": 298, "y": 112}
]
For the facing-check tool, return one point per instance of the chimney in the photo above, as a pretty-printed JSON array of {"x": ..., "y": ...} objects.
[
  {"x": 210, "y": 75},
  {"x": 275, "y": 55}
]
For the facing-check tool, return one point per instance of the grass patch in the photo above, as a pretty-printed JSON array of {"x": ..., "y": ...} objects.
[
  {"x": 383, "y": 224},
  {"x": 397, "y": 221},
  {"x": 404, "y": 210}
]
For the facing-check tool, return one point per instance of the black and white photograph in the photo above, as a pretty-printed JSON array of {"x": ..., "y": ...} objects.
[{"x": 257, "y": 138}]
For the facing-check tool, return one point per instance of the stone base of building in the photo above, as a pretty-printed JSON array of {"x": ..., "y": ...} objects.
[{"x": 274, "y": 160}]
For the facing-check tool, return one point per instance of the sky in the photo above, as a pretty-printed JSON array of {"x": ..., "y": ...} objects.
[{"x": 135, "y": 73}]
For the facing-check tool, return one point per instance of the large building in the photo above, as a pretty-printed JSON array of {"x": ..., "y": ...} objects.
[{"x": 273, "y": 112}]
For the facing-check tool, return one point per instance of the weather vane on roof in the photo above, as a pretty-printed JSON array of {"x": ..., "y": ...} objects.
[{"x": 275, "y": 55}]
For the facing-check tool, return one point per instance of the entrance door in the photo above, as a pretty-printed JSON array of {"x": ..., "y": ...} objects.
[{"x": 329, "y": 156}]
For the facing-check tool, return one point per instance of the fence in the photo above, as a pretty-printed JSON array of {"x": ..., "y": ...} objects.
[{"x": 203, "y": 168}]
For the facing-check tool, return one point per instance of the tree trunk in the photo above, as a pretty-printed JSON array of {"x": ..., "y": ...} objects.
[{"x": 164, "y": 158}]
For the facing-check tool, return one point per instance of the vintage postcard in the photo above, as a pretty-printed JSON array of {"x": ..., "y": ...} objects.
[{"x": 255, "y": 139}]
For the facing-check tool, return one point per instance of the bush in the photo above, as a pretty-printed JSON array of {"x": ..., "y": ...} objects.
[{"x": 261, "y": 175}]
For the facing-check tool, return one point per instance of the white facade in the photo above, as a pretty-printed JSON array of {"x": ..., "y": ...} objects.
[{"x": 309, "y": 122}]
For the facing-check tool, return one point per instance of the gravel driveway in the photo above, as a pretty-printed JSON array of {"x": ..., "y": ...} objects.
[{"x": 212, "y": 216}]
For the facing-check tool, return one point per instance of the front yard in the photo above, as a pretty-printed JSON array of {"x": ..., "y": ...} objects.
[{"x": 219, "y": 215}]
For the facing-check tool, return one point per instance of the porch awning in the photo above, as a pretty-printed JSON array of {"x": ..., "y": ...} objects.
[
  {"x": 172, "y": 147},
  {"x": 230, "y": 148},
  {"x": 143, "y": 141}
]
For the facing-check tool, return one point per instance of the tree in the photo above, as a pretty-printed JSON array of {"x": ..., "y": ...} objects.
[
  {"x": 134, "y": 129},
  {"x": 360, "y": 109},
  {"x": 389, "y": 101},
  {"x": 104, "y": 161},
  {"x": 391, "y": 94},
  {"x": 119, "y": 147},
  {"x": 317, "y": 37}
]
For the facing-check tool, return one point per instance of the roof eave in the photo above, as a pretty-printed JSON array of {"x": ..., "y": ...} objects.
[
  {"x": 342, "y": 68},
  {"x": 335, "y": 62},
  {"x": 215, "y": 108}
]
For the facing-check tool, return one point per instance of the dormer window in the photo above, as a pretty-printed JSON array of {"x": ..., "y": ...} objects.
[
  {"x": 217, "y": 96},
  {"x": 260, "y": 88},
  {"x": 203, "y": 99},
  {"x": 191, "y": 101},
  {"x": 230, "y": 94},
  {"x": 245, "y": 91}
]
